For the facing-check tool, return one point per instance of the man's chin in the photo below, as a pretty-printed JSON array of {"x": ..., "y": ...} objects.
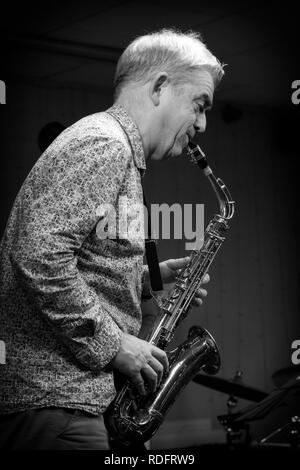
[
  {"x": 178, "y": 149},
  {"x": 173, "y": 152}
]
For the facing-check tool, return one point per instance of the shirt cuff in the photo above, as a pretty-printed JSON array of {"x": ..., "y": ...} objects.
[{"x": 102, "y": 348}]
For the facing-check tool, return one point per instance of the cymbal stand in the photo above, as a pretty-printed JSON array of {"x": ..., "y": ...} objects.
[
  {"x": 236, "y": 433},
  {"x": 293, "y": 429}
]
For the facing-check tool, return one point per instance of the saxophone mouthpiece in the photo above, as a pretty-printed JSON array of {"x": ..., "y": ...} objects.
[{"x": 198, "y": 156}]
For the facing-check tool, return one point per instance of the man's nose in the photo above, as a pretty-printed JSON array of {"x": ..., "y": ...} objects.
[{"x": 200, "y": 123}]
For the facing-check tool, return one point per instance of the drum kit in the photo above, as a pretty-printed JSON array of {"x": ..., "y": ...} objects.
[{"x": 272, "y": 420}]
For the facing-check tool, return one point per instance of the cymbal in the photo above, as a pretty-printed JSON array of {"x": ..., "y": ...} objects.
[
  {"x": 238, "y": 389},
  {"x": 281, "y": 376}
]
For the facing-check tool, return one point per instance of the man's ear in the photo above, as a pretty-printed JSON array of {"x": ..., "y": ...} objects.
[{"x": 157, "y": 86}]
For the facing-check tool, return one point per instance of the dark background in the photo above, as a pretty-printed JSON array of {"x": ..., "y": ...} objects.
[{"x": 58, "y": 61}]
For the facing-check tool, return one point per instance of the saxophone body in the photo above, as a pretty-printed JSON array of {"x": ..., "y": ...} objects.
[{"x": 134, "y": 419}]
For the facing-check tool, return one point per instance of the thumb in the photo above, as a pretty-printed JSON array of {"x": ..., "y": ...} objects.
[{"x": 178, "y": 263}]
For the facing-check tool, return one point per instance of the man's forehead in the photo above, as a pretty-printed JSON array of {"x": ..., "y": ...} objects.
[{"x": 204, "y": 87}]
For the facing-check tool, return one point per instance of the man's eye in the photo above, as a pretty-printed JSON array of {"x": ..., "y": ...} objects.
[{"x": 199, "y": 108}]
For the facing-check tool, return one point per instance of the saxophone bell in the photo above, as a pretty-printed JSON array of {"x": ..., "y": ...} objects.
[{"x": 135, "y": 419}]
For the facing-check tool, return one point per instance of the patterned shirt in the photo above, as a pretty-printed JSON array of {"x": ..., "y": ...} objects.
[{"x": 66, "y": 293}]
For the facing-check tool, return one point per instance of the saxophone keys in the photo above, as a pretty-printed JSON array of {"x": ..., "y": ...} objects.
[
  {"x": 185, "y": 273},
  {"x": 181, "y": 285},
  {"x": 175, "y": 293}
]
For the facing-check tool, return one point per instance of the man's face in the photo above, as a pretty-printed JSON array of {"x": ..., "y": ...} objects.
[{"x": 181, "y": 113}]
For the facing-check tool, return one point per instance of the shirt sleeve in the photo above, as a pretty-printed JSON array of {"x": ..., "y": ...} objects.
[{"x": 58, "y": 210}]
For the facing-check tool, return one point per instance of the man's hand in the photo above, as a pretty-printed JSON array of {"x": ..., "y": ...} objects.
[
  {"x": 141, "y": 362},
  {"x": 170, "y": 268}
]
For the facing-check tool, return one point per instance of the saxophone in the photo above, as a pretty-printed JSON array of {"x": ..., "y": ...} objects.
[{"x": 133, "y": 419}]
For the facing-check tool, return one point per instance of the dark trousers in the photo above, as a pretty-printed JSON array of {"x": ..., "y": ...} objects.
[{"x": 52, "y": 429}]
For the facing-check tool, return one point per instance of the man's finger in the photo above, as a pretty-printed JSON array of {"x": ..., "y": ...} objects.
[
  {"x": 150, "y": 376},
  {"x": 138, "y": 383},
  {"x": 178, "y": 263},
  {"x": 206, "y": 279},
  {"x": 157, "y": 367},
  {"x": 197, "y": 302},
  {"x": 201, "y": 293},
  {"x": 161, "y": 356}
]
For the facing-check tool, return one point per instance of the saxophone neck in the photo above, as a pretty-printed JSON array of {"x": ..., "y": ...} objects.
[{"x": 225, "y": 201}]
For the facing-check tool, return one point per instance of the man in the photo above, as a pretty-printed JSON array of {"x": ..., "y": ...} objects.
[{"x": 70, "y": 298}]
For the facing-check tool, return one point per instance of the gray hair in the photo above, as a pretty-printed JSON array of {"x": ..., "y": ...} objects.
[{"x": 167, "y": 50}]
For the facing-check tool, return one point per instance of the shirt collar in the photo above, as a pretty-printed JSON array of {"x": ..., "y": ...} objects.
[{"x": 132, "y": 133}]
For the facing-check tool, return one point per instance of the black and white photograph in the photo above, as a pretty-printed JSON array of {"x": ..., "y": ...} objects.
[{"x": 149, "y": 250}]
